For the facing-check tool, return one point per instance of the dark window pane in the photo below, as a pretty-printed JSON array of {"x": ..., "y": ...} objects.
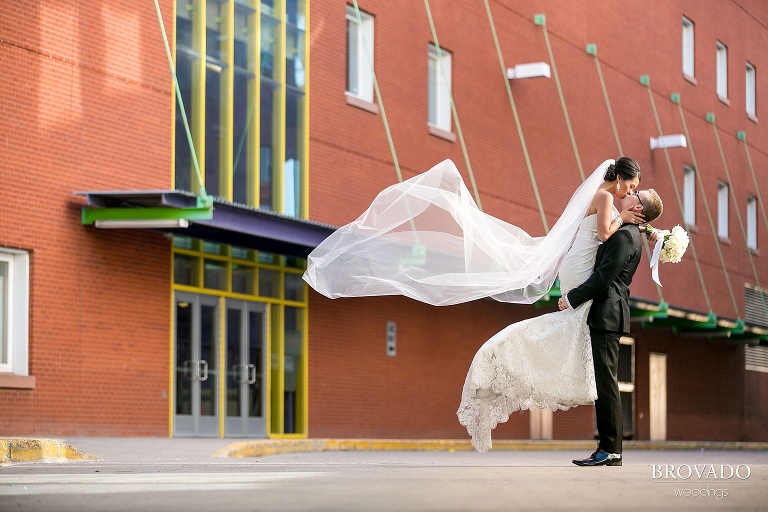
[{"x": 185, "y": 270}]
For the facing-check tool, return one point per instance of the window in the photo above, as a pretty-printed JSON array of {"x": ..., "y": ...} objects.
[
  {"x": 242, "y": 73},
  {"x": 751, "y": 90},
  {"x": 360, "y": 55},
  {"x": 722, "y": 70},
  {"x": 687, "y": 47},
  {"x": 14, "y": 311},
  {"x": 722, "y": 210},
  {"x": 689, "y": 196},
  {"x": 439, "y": 88},
  {"x": 752, "y": 222}
]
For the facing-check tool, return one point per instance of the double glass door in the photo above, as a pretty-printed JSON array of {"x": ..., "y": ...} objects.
[{"x": 211, "y": 383}]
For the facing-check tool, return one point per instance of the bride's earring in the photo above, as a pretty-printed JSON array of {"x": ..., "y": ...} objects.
[{"x": 617, "y": 186}]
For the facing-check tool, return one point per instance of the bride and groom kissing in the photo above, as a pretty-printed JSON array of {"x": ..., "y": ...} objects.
[{"x": 425, "y": 238}]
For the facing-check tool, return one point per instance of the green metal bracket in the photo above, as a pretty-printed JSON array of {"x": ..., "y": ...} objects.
[
  {"x": 645, "y": 80},
  {"x": 741, "y": 135},
  {"x": 592, "y": 49},
  {"x": 675, "y": 97},
  {"x": 91, "y": 215},
  {"x": 417, "y": 258},
  {"x": 551, "y": 297},
  {"x": 710, "y": 117},
  {"x": 539, "y": 19}
]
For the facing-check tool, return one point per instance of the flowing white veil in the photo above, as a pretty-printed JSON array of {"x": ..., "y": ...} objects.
[{"x": 425, "y": 238}]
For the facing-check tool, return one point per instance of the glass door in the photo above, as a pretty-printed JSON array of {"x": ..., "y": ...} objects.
[
  {"x": 245, "y": 375},
  {"x": 196, "y": 321}
]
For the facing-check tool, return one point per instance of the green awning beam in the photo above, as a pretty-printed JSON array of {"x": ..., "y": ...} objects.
[{"x": 93, "y": 215}]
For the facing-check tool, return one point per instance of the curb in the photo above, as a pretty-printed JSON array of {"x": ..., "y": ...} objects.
[
  {"x": 53, "y": 450},
  {"x": 47, "y": 450},
  {"x": 261, "y": 448}
]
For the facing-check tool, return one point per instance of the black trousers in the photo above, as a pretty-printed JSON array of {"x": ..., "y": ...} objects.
[{"x": 605, "y": 352}]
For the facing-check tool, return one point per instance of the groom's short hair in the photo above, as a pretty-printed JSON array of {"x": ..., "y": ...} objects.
[{"x": 652, "y": 205}]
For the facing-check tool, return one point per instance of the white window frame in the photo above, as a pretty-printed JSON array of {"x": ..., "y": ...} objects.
[
  {"x": 15, "y": 320},
  {"x": 688, "y": 48},
  {"x": 689, "y": 196},
  {"x": 752, "y": 222},
  {"x": 439, "y": 94},
  {"x": 722, "y": 70},
  {"x": 360, "y": 55},
  {"x": 722, "y": 210},
  {"x": 751, "y": 91}
]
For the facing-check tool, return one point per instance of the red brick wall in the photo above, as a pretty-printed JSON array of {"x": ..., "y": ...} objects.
[
  {"x": 351, "y": 162},
  {"x": 356, "y": 390},
  {"x": 85, "y": 96}
]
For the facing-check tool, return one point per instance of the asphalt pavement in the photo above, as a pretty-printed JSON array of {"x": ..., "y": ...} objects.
[{"x": 160, "y": 474}]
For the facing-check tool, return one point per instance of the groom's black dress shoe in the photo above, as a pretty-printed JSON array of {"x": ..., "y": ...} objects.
[{"x": 600, "y": 458}]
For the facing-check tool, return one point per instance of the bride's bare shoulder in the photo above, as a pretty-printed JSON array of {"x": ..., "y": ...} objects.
[{"x": 600, "y": 200}]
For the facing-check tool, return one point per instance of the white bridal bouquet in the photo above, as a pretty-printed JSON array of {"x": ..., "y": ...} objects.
[{"x": 670, "y": 247}]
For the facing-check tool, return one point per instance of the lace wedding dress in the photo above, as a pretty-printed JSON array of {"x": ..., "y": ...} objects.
[{"x": 543, "y": 362}]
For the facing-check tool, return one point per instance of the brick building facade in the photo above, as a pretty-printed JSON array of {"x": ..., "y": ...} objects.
[{"x": 89, "y": 105}]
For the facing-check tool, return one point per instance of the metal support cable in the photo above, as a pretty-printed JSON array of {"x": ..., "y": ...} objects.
[
  {"x": 379, "y": 99},
  {"x": 453, "y": 106},
  {"x": 541, "y": 20},
  {"x": 378, "y": 96},
  {"x": 195, "y": 163},
  {"x": 754, "y": 180},
  {"x": 759, "y": 199},
  {"x": 592, "y": 49},
  {"x": 646, "y": 81},
  {"x": 703, "y": 194},
  {"x": 517, "y": 118},
  {"x": 735, "y": 203}
]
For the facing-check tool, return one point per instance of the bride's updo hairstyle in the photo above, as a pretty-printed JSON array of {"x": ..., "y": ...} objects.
[{"x": 625, "y": 168}]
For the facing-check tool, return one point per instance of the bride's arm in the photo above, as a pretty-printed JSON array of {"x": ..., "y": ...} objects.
[{"x": 607, "y": 223}]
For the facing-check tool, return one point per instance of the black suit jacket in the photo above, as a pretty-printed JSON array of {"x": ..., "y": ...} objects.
[{"x": 608, "y": 286}]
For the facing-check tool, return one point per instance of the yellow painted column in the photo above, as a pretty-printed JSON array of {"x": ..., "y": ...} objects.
[
  {"x": 198, "y": 90},
  {"x": 226, "y": 102}
]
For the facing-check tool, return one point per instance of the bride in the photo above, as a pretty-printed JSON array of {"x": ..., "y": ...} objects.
[
  {"x": 546, "y": 361},
  {"x": 425, "y": 238}
]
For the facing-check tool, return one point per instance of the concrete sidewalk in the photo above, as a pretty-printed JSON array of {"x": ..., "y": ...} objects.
[{"x": 30, "y": 449}]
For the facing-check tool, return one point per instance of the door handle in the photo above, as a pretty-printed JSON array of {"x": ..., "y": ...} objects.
[
  {"x": 251, "y": 373},
  {"x": 203, "y": 370}
]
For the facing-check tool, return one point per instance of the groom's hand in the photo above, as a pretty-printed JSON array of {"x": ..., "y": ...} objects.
[{"x": 562, "y": 303}]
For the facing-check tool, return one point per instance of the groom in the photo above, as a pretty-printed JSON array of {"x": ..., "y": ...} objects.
[{"x": 608, "y": 287}]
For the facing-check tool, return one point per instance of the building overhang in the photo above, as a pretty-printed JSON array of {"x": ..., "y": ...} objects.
[
  {"x": 186, "y": 214},
  {"x": 649, "y": 314}
]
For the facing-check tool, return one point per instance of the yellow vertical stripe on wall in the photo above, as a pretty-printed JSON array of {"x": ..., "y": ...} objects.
[
  {"x": 172, "y": 43},
  {"x": 172, "y": 329},
  {"x": 254, "y": 107},
  {"x": 171, "y": 356},
  {"x": 226, "y": 102},
  {"x": 304, "y": 156},
  {"x": 198, "y": 90},
  {"x": 302, "y": 426},
  {"x": 278, "y": 169},
  {"x": 221, "y": 365},
  {"x": 268, "y": 373}
]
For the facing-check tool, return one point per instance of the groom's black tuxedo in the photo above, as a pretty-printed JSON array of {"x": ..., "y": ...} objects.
[{"x": 608, "y": 287}]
